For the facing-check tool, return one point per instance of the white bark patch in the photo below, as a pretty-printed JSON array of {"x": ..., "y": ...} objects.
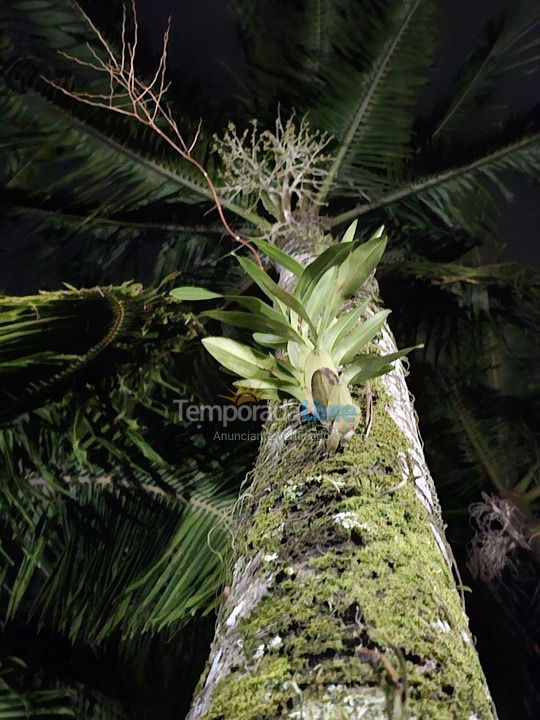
[
  {"x": 441, "y": 626},
  {"x": 349, "y": 521},
  {"x": 341, "y": 703}
]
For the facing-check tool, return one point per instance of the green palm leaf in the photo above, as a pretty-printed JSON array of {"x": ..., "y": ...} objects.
[
  {"x": 447, "y": 193},
  {"x": 503, "y": 47},
  {"x": 371, "y": 114}
]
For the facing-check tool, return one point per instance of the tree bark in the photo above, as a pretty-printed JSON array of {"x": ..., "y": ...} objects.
[{"x": 342, "y": 600}]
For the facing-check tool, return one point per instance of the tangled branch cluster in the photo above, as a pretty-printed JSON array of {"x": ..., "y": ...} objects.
[
  {"x": 283, "y": 169},
  {"x": 499, "y": 529}
]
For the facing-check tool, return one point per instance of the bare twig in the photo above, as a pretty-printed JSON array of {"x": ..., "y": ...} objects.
[{"x": 144, "y": 102}]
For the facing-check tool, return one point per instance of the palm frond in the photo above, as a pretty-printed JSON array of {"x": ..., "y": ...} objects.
[
  {"x": 27, "y": 691},
  {"x": 447, "y": 194},
  {"x": 84, "y": 166},
  {"x": 47, "y": 339},
  {"x": 19, "y": 704},
  {"x": 65, "y": 156},
  {"x": 132, "y": 548},
  {"x": 114, "y": 513},
  {"x": 289, "y": 51},
  {"x": 52, "y": 28},
  {"x": 114, "y": 560},
  {"x": 130, "y": 679},
  {"x": 321, "y": 22},
  {"x": 504, "y": 47},
  {"x": 371, "y": 111}
]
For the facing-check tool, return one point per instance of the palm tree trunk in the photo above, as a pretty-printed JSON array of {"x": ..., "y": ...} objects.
[{"x": 342, "y": 602}]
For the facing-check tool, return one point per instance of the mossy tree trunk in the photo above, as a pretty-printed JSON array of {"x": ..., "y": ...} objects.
[{"x": 343, "y": 602}]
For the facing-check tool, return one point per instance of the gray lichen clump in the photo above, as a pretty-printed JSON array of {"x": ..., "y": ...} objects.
[{"x": 348, "y": 608}]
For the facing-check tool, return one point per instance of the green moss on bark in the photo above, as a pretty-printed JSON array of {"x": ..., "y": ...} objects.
[{"x": 362, "y": 607}]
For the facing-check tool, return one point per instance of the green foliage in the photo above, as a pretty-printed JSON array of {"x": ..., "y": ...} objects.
[
  {"x": 477, "y": 385},
  {"x": 387, "y": 55},
  {"x": 95, "y": 460},
  {"x": 398, "y": 154},
  {"x": 447, "y": 193},
  {"x": 306, "y": 349},
  {"x": 64, "y": 169},
  {"x": 504, "y": 45},
  {"x": 113, "y": 514},
  {"x": 359, "y": 72},
  {"x": 73, "y": 176},
  {"x": 18, "y": 704},
  {"x": 43, "y": 343}
]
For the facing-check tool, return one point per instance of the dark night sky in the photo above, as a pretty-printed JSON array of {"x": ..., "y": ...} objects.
[{"x": 205, "y": 48}]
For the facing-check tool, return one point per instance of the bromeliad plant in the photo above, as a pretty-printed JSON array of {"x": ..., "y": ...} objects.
[{"x": 305, "y": 348}]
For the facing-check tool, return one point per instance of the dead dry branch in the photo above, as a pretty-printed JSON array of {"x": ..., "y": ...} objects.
[{"x": 145, "y": 102}]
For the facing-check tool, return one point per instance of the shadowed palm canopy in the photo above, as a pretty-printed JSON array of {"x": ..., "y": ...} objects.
[{"x": 116, "y": 515}]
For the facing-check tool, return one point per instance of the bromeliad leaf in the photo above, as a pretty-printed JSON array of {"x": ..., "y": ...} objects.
[
  {"x": 333, "y": 255},
  {"x": 238, "y": 358},
  {"x": 271, "y": 388},
  {"x": 370, "y": 366},
  {"x": 343, "y": 325},
  {"x": 279, "y": 256},
  {"x": 274, "y": 291},
  {"x": 253, "y": 321},
  {"x": 269, "y": 340},
  {"x": 324, "y": 299},
  {"x": 355, "y": 265},
  {"x": 349, "y": 346},
  {"x": 361, "y": 262},
  {"x": 190, "y": 293},
  {"x": 350, "y": 232}
]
